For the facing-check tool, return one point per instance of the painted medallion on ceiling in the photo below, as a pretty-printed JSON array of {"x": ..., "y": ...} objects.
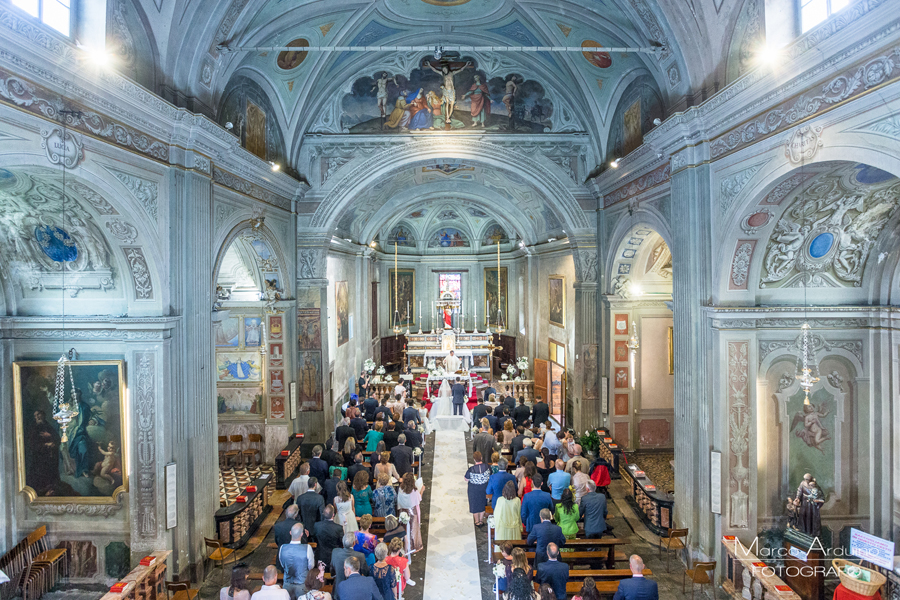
[
  {"x": 446, "y": 95},
  {"x": 601, "y": 60},
  {"x": 291, "y": 59}
]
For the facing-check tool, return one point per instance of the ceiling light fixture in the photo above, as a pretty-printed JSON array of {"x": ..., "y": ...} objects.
[
  {"x": 614, "y": 164},
  {"x": 275, "y": 166}
]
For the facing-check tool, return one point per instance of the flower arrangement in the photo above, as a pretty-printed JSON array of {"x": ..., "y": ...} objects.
[
  {"x": 490, "y": 521},
  {"x": 420, "y": 429},
  {"x": 369, "y": 365},
  {"x": 504, "y": 377},
  {"x": 381, "y": 370},
  {"x": 517, "y": 378},
  {"x": 417, "y": 452},
  {"x": 431, "y": 365},
  {"x": 522, "y": 363},
  {"x": 499, "y": 569},
  {"x": 511, "y": 369},
  {"x": 403, "y": 518}
]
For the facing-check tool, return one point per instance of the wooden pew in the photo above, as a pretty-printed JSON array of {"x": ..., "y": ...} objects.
[
  {"x": 603, "y": 574},
  {"x": 609, "y": 557},
  {"x": 604, "y": 587}
]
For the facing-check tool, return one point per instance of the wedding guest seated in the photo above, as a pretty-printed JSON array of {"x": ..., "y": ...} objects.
[
  {"x": 638, "y": 587},
  {"x": 588, "y": 590},
  {"x": 553, "y": 572},
  {"x": 238, "y": 588}
]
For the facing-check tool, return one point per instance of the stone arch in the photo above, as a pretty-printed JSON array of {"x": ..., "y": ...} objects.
[
  {"x": 119, "y": 256},
  {"x": 265, "y": 268},
  {"x": 643, "y": 219}
]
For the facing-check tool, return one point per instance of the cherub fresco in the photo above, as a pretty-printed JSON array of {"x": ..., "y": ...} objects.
[{"x": 813, "y": 432}]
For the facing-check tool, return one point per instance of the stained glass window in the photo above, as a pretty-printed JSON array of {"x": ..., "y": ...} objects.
[{"x": 451, "y": 282}]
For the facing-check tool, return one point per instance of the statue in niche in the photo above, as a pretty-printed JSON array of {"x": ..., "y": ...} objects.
[
  {"x": 793, "y": 513},
  {"x": 808, "y": 503},
  {"x": 813, "y": 433}
]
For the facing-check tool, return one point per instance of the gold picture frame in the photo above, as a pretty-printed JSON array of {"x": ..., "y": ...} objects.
[
  {"x": 490, "y": 296},
  {"x": 81, "y": 462},
  {"x": 406, "y": 290},
  {"x": 557, "y": 300}
]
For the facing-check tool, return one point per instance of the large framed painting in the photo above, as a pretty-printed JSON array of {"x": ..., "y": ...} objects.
[
  {"x": 87, "y": 463},
  {"x": 558, "y": 300},
  {"x": 342, "y": 311},
  {"x": 238, "y": 367},
  {"x": 240, "y": 402},
  {"x": 403, "y": 296},
  {"x": 632, "y": 125},
  {"x": 494, "y": 300}
]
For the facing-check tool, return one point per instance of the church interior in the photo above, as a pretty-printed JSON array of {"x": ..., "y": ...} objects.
[{"x": 642, "y": 256}]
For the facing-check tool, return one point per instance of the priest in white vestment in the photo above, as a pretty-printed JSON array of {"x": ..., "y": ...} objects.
[{"x": 452, "y": 363}]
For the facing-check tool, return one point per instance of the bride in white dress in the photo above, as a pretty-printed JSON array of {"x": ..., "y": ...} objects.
[{"x": 443, "y": 406}]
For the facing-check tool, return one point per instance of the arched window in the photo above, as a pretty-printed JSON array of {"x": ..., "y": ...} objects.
[{"x": 813, "y": 12}]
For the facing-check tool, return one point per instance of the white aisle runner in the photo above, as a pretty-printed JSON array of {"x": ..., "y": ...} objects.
[{"x": 451, "y": 565}]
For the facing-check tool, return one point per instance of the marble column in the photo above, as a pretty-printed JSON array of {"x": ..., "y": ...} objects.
[
  {"x": 312, "y": 300},
  {"x": 587, "y": 364},
  {"x": 192, "y": 414},
  {"x": 691, "y": 292}
]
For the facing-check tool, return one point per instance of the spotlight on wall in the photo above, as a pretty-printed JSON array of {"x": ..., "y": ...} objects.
[
  {"x": 229, "y": 125},
  {"x": 657, "y": 122},
  {"x": 372, "y": 244},
  {"x": 275, "y": 166},
  {"x": 614, "y": 164}
]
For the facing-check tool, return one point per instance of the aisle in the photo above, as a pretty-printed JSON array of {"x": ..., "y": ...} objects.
[{"x": 451, "y": 565}]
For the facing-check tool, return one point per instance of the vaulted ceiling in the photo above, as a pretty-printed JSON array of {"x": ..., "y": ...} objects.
[{"x": 305, "y": 92}]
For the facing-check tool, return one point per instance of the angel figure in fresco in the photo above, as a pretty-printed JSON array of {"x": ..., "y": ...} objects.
[
  {"x": 813, "y": 432},
  {"x": 788, "y": 237},
  {"x": 449, "y": 88}
]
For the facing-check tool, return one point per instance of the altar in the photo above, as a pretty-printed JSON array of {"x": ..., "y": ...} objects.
[{"x": 473, "y": 349}]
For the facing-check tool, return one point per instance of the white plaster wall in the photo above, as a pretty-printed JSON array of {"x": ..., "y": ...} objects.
[{"x": 657, "y": 385}]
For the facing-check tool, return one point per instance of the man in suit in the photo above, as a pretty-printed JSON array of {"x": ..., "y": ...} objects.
[
  {"x": 370, "y": 405},
  {"x": 391, "y": 435},
  {"x": 516, "y": 443},
  {"x": 344, "y": 431},
  {"x": 458, "y": 390},
  {"x": 509, "y": 400},
  {"x": 360, "y": 427},
  {"x": 479, "y": 411},
  {"x": 311, "y": 504},
  {"x": 282, "y": 529},
  {"x": 492, "y": 419},
  {"x": 318, "y": 468},
  {"x": 503, "y": 418},
  {"x": 410, "y": 414},
  {"x": 521, "y": 413},
  {"x": 498, "y": 480},
  {"x": 543, "y": 534},
  {"x": 332, "y": 457},
  {"x": 296, "y": 559},
  {"x": 358, "y": 466},
  {"x": 534, "y": 502},
  {"x": 553, "y": 572},
  {"x": 540, "y": 412},
  {"x": 328, "y": 535},
  {"x": 414, "y": 439},
  {"x": 354, "y": 586},
  {"x": 402, "y": 456},
  {"x": 384, "y": 408},
  {"x": 593, "y": 510},
  {"x": 484, "y": 443},
  {"x": 329, "y": 487},
  {"x": 487, "y": 392},
  {"x": 528, "y": 451},
  {"x": 638, "y": 587},
  {"x": 339, "y": 555}
]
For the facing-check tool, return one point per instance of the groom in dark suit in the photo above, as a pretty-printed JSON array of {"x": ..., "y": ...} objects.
[{"x": 459, "y": 397}]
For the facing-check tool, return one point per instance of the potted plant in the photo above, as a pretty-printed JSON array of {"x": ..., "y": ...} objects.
[{"x": 590, "y": 442}]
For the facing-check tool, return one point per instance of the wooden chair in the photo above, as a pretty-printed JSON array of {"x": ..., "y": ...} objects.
[
  {"x": 235, "y": 451},
  {"x": 223, "y": 447},
  {"x": 703, "y": 573},
  {"x": 35, "y": 581},
  {"x": 180, "y": 590},
  {"x": 218, "y": 553},
  {"x": 251, "y": 452},
  {"x": 41, "y": 554},
  {"x": 676, "y": 540}
]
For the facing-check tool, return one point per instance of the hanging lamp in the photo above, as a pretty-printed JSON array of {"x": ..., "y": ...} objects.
[{"x": 395, "y": 322}]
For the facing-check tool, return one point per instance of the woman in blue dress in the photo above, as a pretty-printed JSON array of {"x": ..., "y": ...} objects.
[
  {"x": 383, "y": 573},
  {"x": 384, "y": 498},
  {"x": 478, "y": 476},
  {"x": 420, "y": 115}
]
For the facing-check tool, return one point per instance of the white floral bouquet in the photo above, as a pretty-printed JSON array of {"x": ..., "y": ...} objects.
[
  {"x": 403, "y": 518},
  {"x": 504, "y": 377},
  {"x": 522, "y": 363},
  {"x": 491, "y": 522},
  {"x": 499, "y": 569},
  {"x": 420, "y": 429},
  {"x": 369, "y": 365},
  {"x": 417, "y": 452},
  {"x": 431, "y": 365},
  {"x": 517, "y": 378},
  {"x": 381, "y": 370},
  {"x": 511, "y": 369}
]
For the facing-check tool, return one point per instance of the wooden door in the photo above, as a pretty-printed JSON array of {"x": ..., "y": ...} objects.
[{"x": 542, "y": 378}]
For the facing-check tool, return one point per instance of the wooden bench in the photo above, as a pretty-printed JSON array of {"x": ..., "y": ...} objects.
[
  {"x": 610, "y": 557},
  {"x": 604, "y": 542},
  {"x": 603, "y": 574},
  {"x": 604, "y": 587}
]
